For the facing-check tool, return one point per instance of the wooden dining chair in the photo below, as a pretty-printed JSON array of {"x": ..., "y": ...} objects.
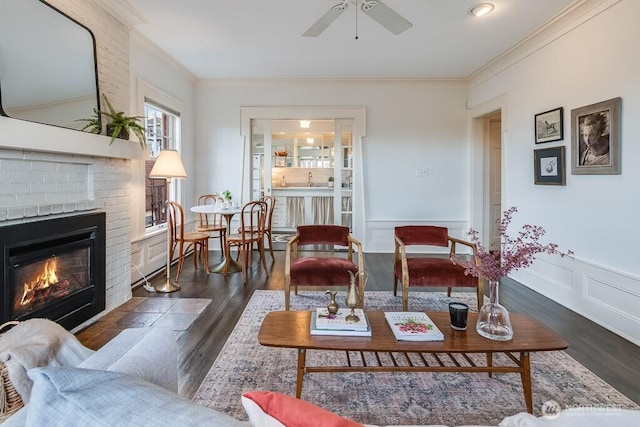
[
  {"x": 424, "y": 270},
  {"x": 183, "y": 241},
  {"x": 251, "y": 231},
  {"x": 213, "y": 224},
  {"x": 271, "y": 204},
  {"x": 321, "y": 270}
]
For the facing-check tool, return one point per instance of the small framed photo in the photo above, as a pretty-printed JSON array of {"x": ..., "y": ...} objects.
[
  {"x": 549, "y": 166},
  {"x": 549, "y": 126},
  {"x": 595, "y": 138}
]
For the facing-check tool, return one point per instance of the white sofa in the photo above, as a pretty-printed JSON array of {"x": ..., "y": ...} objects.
[{"x": 133, "y": 381}]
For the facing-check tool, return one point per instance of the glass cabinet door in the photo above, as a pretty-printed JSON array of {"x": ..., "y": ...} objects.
[
  {"x": 260, "y": 144},
  {"x": 344, "y": 173}
]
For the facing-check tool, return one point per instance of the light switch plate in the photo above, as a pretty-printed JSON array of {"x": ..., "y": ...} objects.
[{"x": 422, "y": 172}]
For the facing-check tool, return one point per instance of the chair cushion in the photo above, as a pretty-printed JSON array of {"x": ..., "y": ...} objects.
[
  {"x": 323, "y": 235},
  {"x": 423, "y": 235},
  {"x": 321, "y": 271},
  {"x": 435, "y": 272}
]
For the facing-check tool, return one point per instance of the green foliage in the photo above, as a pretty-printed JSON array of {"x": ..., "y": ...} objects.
[
  {"x": 119, "y": 122},
  {"x": 93, "y": 124},
  {"x": 226, "y": 194}
]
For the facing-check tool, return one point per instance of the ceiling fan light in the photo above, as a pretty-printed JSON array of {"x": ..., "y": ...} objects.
[{"x": 481, "y": 9}]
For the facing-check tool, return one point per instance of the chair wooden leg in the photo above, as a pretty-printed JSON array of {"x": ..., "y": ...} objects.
[
  {"x": 205, "y": 250},
  {"x": 287, "y": 293},
  {"x": 263, "y": 257},
  {"x": 395, "y": 285},
  {"x": 180, "y": 260},
  {"x": 449, "y": 292},
  {"x": 244, "y": 249},
  {"x": 480, "y": 295},
  {"x": 270, "y": 240},
  {"x": 405, "y": 297}
]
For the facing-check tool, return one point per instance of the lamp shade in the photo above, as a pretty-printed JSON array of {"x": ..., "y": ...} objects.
[{"x": 168, "y": 165}]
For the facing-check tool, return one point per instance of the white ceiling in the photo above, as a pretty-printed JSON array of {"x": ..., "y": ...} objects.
[{"x": 263, "y": 38}]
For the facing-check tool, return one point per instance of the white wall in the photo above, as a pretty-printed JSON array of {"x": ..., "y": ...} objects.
[
  {"x": 154, "y": 75},
  {"x": 593, "y": 215},
  {"x": 410, "y": 124}
]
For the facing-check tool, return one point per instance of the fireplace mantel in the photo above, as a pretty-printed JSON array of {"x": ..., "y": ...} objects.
[{"x": 24, "y": 135}]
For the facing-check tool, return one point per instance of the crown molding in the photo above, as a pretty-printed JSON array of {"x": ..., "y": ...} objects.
[
  {"x": 566, "y": 21},
  {"x": 123, "y": 12}
]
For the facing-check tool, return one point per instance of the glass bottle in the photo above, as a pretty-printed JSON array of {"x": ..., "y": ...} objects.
[{"x": 493, "y": 319}]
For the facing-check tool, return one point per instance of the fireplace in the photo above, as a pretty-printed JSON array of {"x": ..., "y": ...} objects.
[{"x": 54, "y": 269}]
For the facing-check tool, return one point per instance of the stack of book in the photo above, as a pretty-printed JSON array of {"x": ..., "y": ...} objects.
[
  {"x": 323, "y": 323},
  {"x": 413, "y": 326}
]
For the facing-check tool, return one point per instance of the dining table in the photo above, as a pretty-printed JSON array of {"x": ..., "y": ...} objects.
[{"x": 227, "y": 213}]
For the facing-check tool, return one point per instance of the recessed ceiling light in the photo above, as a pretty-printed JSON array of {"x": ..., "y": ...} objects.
[
  {"x": 481, "y": 9},
  {"x": 304, "y": 124}
]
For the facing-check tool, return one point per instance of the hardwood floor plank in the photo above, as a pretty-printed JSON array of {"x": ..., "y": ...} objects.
[{"x": 609, "y": 356}]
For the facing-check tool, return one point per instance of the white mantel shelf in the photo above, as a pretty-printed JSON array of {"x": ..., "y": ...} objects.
[{"x": 23, "y": 135}]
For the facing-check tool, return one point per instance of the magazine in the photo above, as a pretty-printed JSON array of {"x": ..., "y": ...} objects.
[
  {"x": 324, "y": 320},
  {"x": 413, "y": 326},
  {"x": 340, "y": 332}
]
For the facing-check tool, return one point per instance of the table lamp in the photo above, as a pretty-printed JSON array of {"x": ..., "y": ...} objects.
[{"x": 168, "y": 165}]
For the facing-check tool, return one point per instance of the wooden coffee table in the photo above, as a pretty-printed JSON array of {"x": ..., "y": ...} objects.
[{"x": 290, "y": 329}]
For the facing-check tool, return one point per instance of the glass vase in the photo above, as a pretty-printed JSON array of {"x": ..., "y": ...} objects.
[{"x": 493, "y": 319}]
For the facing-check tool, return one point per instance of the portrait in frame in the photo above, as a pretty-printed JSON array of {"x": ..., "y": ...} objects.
[
  {"x": 549, "y": 126},
  {"x": 549, "y": 166},
  {"x": 595, "y": 138}
]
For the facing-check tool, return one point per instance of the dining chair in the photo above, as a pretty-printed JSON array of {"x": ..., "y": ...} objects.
[
  {"x": 251, "y": 231},
  {"x": 418, "y": 269},
  {"x": 212, "y": 223},
  {"x": 271, "y": 204},
  {"x": 322, "y": 269},
  {"x": 179, "y": 238}
]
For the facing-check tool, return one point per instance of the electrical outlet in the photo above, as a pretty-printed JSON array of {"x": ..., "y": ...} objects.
[{"x": 422, "y": 172}]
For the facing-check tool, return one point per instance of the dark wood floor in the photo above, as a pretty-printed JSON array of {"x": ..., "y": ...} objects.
[{"x": 612, "y": 358}]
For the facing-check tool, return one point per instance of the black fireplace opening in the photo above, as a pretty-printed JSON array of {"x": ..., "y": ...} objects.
[{"x": 54, "y": 269}]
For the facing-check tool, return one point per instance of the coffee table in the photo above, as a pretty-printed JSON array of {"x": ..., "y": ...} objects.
[{"x": 290, "y": 329}]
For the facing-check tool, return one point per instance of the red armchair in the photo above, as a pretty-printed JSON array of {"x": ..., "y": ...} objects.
[
  {"x": 421, "y": 270},
  {"x": 323, "y": 269}
]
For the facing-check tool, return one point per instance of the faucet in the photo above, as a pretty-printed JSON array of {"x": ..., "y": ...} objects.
[{"x": 309, "y": 182}]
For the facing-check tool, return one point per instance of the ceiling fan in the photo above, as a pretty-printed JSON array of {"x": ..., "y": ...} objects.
[{"x": 376, "y": 9}]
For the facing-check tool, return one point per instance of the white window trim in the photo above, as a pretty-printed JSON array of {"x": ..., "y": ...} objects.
[{"x": 147, "y": 91}]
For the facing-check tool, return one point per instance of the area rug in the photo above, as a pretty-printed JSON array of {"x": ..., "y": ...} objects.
[{"x": 391, "y": 398}]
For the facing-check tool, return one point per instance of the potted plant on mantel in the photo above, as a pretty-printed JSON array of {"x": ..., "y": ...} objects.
[{"x": 118, "y": 125}]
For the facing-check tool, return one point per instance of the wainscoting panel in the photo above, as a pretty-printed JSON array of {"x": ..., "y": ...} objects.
[{"x": 609, "y": 297}]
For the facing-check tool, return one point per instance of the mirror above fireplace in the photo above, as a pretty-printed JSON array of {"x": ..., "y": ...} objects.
[{"x": 48, "y": 70}]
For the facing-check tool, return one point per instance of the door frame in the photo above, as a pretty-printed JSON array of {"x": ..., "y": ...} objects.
[
  {"x": 479, "y": 204},
  {"x": 357, "y": 114}
]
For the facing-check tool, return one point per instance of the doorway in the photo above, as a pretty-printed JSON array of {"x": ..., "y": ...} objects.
[{"x": 493, "y": 177}]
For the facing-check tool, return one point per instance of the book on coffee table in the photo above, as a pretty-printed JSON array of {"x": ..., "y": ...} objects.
[
  {"x": 346, "y": 331},
  {"x": 325, "y": 320},
  {"x": 413, "y": 326}
]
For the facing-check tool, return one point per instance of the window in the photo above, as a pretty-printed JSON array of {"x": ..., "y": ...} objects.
[{"x": 162, "y": 132}]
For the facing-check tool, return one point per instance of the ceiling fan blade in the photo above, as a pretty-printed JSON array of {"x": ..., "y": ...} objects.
[
  {"x": 387, "y": 17},
  {"x": 325, "y": 20}
]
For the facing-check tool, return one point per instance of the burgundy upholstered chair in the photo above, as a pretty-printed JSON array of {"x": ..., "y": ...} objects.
[
  {"x": 322, "y": 269},
  {"x": 421, "y": 270}
]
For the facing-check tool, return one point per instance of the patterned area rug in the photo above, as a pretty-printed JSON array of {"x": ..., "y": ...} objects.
[{"x": 391, "y": 398}]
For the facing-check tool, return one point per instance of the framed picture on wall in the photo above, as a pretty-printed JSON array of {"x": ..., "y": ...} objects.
[
  {"x": 595, "y": 138},
  {"x": 549, "y": 166},
  {"x": 549, "y": 126}
]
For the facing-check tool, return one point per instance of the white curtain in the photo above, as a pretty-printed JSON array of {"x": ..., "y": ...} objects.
[
  {"x": 322, "y": 210},
  {"x": 295, "y": 211}
]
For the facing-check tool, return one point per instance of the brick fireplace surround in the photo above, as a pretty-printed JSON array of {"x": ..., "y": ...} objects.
[{"x": 38, "y": 185}]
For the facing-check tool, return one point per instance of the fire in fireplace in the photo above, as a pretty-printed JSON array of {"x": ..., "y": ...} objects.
[{"x": 54, "y": 269}]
